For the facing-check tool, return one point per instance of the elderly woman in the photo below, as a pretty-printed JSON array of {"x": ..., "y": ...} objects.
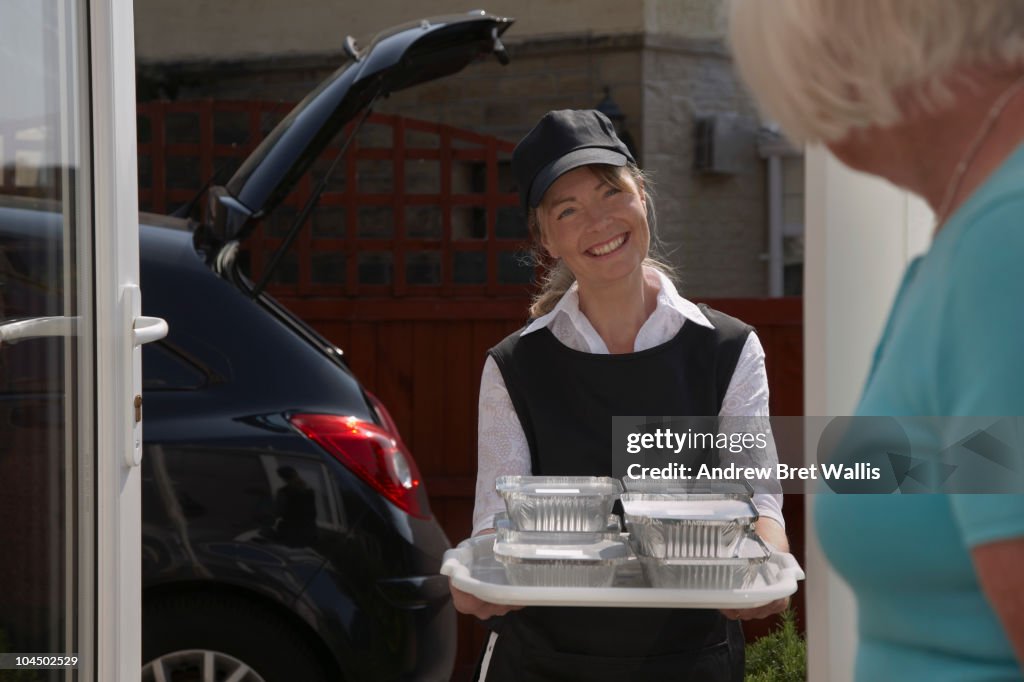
[
  {"x": 928, "y": 94},
  {"x": 609, "y": 335}
]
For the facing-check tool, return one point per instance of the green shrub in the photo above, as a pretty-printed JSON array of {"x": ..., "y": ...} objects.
[{"x": 779, "y": 656}]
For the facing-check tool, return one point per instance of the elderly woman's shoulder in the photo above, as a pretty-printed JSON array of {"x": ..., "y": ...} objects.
[{"x": 991, "y": 227}]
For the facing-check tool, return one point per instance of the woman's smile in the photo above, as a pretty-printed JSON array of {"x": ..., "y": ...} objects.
[{"x": 608, "y": 247}]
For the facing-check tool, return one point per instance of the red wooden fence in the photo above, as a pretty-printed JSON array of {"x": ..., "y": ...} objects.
[{"x": 414, "y": 209}]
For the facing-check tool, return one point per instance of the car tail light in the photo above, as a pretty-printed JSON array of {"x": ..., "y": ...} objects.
[
  {"x": 386, "y": 420},
  {"x": 372, "y": 454}
]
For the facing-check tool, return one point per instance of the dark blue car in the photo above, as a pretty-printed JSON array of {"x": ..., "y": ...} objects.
[{"x": 287, "y": 535}]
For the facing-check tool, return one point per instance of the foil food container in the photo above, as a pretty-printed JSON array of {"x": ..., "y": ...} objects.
[
  {"x": 506, "y": 532},
  {"x": 559, "y": 560},
  {"x": 559, "y": 503},
  {"x": 687, "y": 526},
  {"x": 729, "y": 573},
  {"x": 506, "y": 535},
  {"x": 683, "y": 574}
]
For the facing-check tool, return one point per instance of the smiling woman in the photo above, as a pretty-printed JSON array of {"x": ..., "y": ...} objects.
[
  {"x": 612, "y": 172},
  {"x": 590, "y": 215},
  {"x": 609, "y": 335}
]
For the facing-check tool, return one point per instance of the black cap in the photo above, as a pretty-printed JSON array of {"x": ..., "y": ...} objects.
[{"x": 562, "y": 141}]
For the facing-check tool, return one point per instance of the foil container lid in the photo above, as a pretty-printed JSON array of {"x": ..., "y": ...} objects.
[
  {"x": 687, "y": 486},
  {"x": 752, "y": 551},
  {"x": 558, "y": 485},
  {"x": 711, "y": 508},
  {"x": 559, "y": 549}
]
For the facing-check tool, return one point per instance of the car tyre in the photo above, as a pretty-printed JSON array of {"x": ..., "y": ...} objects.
[{"x": 242, "y": 641}]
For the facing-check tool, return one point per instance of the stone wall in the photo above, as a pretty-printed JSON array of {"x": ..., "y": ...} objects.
[
  {"x": 181, "y": 30},
  {"x": 713, "y": 225}
]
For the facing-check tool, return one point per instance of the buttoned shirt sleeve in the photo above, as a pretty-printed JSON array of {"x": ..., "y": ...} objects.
[
  {"x": 745, "y": 407},
  {"x": 501, "y": 446}
]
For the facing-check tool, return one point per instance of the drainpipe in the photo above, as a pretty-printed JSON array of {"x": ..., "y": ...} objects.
[
  {"x": 773, "y": 147},
  {"x": 775, "y": 218}
]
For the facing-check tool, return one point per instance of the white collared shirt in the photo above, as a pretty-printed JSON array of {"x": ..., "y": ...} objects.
[{"x": 501, "y": 442}]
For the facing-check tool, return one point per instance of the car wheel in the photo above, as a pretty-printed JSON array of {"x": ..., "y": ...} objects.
[{"x": 210, "y": 638}]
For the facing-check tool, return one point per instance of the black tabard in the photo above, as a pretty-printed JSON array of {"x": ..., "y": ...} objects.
[{"x": 565, "y": 400}]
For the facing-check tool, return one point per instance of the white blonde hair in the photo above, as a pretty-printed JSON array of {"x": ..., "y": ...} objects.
[{"x": 823, "y": 67}]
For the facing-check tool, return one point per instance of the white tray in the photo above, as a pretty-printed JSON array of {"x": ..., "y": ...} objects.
[{"x": 473, "y": 569}]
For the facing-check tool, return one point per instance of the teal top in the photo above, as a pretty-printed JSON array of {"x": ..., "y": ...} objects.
[{"x": 953, "y": 345}]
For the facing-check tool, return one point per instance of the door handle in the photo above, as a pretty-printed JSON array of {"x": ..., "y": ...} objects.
[
  {"x": 140, "y": 329},
  {"x": 38, "y": 327},
  {"x": 144, "y": 329},
  {"x": 148, "y": 329}
]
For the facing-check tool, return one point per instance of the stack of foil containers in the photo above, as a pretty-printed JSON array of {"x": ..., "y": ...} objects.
[
  {"x": 695, "y": 540},
  {"x": 559, "y": 531}
]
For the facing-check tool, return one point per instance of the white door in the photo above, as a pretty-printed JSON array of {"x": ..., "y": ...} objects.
[
  {"x": 855, "y": 223},
  {"x": 69, "y": 480}
]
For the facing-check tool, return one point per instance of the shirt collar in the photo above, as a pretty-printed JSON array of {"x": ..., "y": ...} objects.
[
  {"x": 670, "y": 299},
  {"x": 669, "y": 302},
  {"x": 569, "y": 305}
]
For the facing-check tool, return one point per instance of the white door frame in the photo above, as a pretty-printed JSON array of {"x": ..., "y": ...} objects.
[
  {"x": 860, "y": 234},
  {"x": 118, "y": 607}
]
